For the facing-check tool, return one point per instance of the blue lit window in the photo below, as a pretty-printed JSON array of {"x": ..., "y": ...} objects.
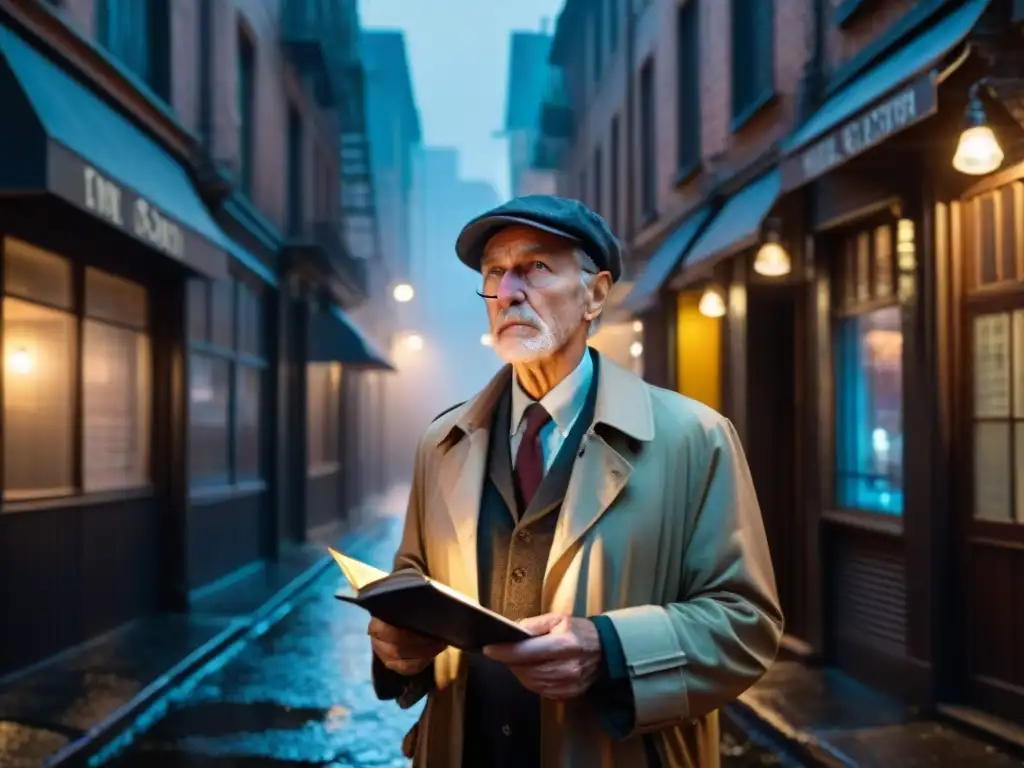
[
  {"x": 869, "y": 412},
  {"x": 868, "y": 353}
]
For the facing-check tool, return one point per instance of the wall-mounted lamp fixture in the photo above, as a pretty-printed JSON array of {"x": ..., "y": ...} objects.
[
  {"x": 978, "y": 151},
  {"x": 21, "y": 361},
  {"x": 638, "y": 326},
  {"x": 403, "y": 293},
  {"x": 712, "y": 302},
  {"x": 636, "y": 349},
  {"x": 772, "y": 260}
]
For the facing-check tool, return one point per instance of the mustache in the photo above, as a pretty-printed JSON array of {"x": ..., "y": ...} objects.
[{"x": 520, "y": 315}]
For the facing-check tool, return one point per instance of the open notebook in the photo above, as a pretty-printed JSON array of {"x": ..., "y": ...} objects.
[{"x": 409, "y": 600}]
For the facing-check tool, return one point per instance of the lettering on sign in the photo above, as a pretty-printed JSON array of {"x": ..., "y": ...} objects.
[
  {"x": 898, "y": 112},
  {"x": 107, "y": 200},
  {"x": 149, "y": 224},
  {"x": 102, "y": 197}
]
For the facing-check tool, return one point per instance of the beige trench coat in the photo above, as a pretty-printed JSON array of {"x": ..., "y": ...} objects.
[{"x": 660, "y": 530}]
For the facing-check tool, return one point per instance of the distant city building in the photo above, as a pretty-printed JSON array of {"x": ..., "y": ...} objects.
[{"x": 528, "y": 77}]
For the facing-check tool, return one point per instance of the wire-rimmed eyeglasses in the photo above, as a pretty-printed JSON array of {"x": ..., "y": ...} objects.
[{"x": 537, "y": 276}]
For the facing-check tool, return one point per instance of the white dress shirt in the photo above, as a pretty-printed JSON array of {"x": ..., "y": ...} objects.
[{"x": 565, "y": 403}]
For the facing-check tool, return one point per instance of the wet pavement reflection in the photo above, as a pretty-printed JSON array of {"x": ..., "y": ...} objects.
[{"x": 299, "y": 695}]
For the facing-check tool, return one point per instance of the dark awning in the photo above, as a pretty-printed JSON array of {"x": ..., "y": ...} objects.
[
  {"x": 893, "y": 95},
  {"x": 334, "y": 337},
  {"x": 57, "y": 136},
  {"x": 737, "y": 226},
  {"x": 663, "y": 262}
]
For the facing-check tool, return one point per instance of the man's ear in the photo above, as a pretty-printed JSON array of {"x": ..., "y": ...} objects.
[{"x": 597, "y": 294}]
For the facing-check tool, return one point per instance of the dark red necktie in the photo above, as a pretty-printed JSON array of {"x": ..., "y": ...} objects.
[{"x": 530, "y": 456}]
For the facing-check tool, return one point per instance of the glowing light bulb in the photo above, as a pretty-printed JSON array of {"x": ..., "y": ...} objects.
[
  {"x": 636, "y": 349},
  {"x": 414, "y": 342},
  {"x": 21, "y": 361},
  {"x": 638, "y": 326},
  {"x": 712, "y": 304},
  {"x": 772, "y": 260},
  {"x": 403, "y": 293},
  {"x": 978, "y": 151}
]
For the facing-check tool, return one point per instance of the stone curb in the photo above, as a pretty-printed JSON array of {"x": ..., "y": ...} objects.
[
  {"x": 762, "y": 724},
  {"x": 107, "y": 737}
]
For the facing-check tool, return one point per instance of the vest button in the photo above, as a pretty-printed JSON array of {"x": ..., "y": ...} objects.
[
  {"x": 518, "y": 575},
  {"x": 524, "y": 536}
]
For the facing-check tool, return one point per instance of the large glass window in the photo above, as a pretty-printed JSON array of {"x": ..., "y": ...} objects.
[
  {"x": 225, "y": 383},
  {"x": 869, "y": 377},
  {"x": 43, "y": 328},
  {"x": 997, "y": 346},
  {"x": 323, "y": 413}
]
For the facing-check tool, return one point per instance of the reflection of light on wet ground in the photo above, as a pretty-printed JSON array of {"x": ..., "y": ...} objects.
[{"x": 298, "y": 695}]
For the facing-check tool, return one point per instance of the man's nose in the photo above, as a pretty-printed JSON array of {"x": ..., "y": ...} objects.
[{"x": 510, "y": 289}]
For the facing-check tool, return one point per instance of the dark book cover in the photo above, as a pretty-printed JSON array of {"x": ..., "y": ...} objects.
[{"x": 409, "y": 600}]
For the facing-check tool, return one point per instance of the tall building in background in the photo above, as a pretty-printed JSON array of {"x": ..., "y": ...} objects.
[
  {"x": 393, "y": 128},
  {"x": 528, "y": 76},
  {"x": 438, "y": 350}
]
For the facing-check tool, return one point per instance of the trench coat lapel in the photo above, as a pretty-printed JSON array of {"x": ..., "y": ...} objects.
[
  {"x": 461, "y": 473},
  {"x": 623, "y": 411}
]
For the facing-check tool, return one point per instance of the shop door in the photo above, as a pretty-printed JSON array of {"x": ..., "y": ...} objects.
[
  {"x": 990, "y": 454},
  {"x": 772, "y": 438}
]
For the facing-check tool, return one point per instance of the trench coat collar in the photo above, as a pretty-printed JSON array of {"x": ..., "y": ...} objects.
[{"x": 623, "y": 403}]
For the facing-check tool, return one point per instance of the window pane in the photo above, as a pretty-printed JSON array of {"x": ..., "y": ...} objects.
[
  {"x": 992, "y": 366},
  {"x": 1018, "y": 453},
  {"x": 198, "y": 309},
  {"x": 869, "y": 412},
  {"x": 32, "y": 273},
  {"x": 992, "y": 471},
  {"x": 248, "y": 439},
  {"x": 39, "y": 356},
  {"x": 208, "y": 416},
  {"x": 115, "y": 299},
  {"x": 863, "y": 267},
  {"x": 250, "y": 321},
  {"x": 116, "y": 405},
  {"x": 883, "y": 262},
  {"x": 323, "y": 391},
  {"x": 222, "y": 314}
]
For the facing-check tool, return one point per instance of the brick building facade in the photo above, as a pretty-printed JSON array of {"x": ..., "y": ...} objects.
[
  {"x": 179, "y": 272},
  {"x": 807, "y": 256}
]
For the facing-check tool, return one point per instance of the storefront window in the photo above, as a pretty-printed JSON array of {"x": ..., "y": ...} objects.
[
  {"x": 323, "y": 412},
  {"x": 869, "y": 411},
  {"x": 226, "y": 380},
  {"x": 998, "y": 341},
  {"x": 868, "y": 355},
  {"x": 41, "y": 338}
]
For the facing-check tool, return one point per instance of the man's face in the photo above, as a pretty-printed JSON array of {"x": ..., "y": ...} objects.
[{"x": 543, "y": 298}]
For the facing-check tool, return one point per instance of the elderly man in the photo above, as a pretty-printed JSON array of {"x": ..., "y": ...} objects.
[{"x": 617, "y": 522}]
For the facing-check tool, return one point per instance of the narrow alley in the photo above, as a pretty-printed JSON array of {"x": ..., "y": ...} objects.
[{"x": 299, "y": 694}]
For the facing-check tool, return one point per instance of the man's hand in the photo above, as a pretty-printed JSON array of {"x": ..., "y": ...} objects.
[
  {"x": 401, "y": 651},
  {"x": 561, "y": 662}
]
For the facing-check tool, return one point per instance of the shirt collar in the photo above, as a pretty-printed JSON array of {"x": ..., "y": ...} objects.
[{"x": 564, "y": 402}]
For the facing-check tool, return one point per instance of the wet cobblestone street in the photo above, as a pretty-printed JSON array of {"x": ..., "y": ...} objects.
[{"x": 299, "y": 696}]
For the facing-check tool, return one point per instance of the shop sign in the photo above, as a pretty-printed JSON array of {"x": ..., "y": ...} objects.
[
  {"x": 897, "y": 112},
  {"x": 131, "y": 212}
]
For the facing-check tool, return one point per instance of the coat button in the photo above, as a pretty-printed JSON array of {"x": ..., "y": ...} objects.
[
  {"x": 524, "y": 536},
  {"x": 518, "y": 575}
]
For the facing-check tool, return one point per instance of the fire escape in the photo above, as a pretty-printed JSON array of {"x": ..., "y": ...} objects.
[{"x": 321, "y": 37}]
